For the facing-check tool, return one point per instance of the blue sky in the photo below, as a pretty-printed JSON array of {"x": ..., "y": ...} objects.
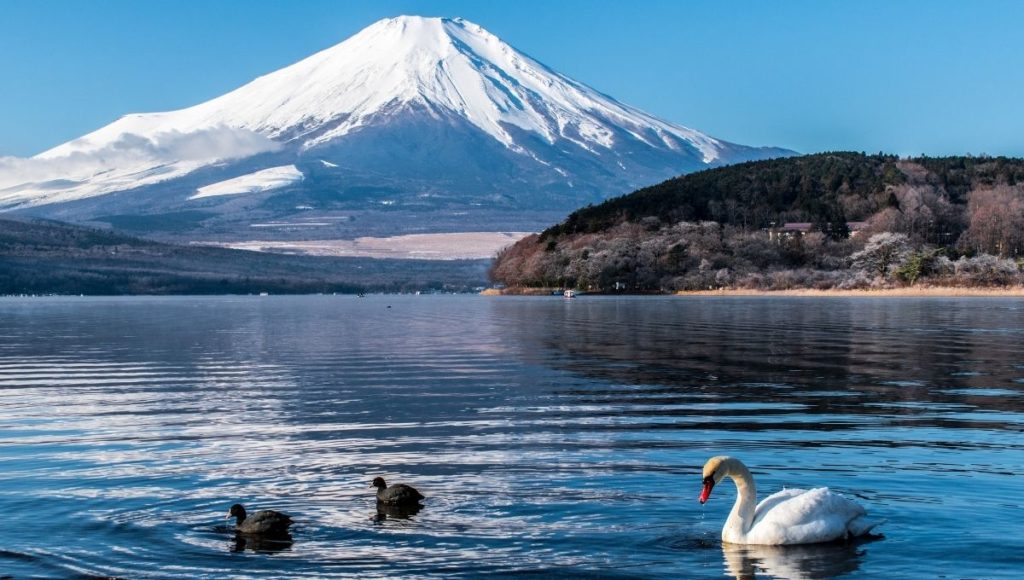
[{"x": 906, "y": 77}]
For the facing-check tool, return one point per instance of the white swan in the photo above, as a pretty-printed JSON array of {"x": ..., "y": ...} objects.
[{"x": 791, "y": 516}]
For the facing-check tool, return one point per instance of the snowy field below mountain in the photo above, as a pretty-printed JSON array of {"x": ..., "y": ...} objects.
[
  {"x": 450, "y": 246},
  {"x": 256, "y": 182}
]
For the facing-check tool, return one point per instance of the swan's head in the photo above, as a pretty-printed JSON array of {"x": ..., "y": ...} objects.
[
  {"x": 378, "y": 482},
  {"x": 714, "y": 470}
]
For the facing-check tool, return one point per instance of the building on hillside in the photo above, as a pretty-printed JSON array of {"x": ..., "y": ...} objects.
[{"x": 791, "y": 229}]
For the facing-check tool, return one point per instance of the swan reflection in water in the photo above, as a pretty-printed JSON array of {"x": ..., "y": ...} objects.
[
  {"x": 261, "y": 544},
  {"x": 799, "y": 562},
  {"x": 395, "y": 512}
]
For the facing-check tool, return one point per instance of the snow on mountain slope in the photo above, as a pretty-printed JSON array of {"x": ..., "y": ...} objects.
[
  {"x": 410, "y": 70},
  {"x": 448, "y": 63},
  {"x": 255, "y": 182}
]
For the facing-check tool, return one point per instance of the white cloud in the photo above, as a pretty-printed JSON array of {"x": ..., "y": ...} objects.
[{"x": 130, "y": 152}]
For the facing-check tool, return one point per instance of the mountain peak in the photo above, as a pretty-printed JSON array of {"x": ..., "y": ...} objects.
[
  {"x": 440, "y": 79},
  {"x": 407, "y": 24},
  {"x": 403, "y": 31},
  {"x": 449, "y": 64}
]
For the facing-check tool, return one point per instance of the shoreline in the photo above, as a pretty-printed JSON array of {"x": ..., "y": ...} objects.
[
  {"x": 909, "y": 292},
  {"x": 518, "y": 292}
]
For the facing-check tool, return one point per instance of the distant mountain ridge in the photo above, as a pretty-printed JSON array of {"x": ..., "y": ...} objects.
[
  {"x": 45, "y": 257},
  {"x": 416, "y": 114}
]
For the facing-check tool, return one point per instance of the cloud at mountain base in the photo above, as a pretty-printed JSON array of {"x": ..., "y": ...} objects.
[{"x": 131, "y": 151}]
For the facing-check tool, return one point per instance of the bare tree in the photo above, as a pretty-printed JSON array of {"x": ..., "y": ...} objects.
[
  {"x": 882, "y": 252},
  {"x": 995, "y": 221}
]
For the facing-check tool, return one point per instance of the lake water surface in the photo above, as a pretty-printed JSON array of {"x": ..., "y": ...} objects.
[{"x": 551, "y": 436}]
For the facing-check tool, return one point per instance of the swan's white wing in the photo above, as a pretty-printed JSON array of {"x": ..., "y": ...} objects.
[
  {"x": 775, "y": 499},
  {"x": 796, "y": 516}
]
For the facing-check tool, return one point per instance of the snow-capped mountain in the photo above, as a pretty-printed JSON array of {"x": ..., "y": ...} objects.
[{"x": 419, "y": 113}]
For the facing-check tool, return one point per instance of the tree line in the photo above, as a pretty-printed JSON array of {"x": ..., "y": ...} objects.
[{"x": 951, "y": 221}]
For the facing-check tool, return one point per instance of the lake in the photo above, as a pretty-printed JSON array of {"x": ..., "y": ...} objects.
[{"x": 550, "y": 436}]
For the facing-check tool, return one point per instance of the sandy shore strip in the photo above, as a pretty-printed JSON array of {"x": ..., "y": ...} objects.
[
  {"x": 914, "y": 292},
  {"x": 518, "y": 291},
  {"x": 910, "y": 292}
]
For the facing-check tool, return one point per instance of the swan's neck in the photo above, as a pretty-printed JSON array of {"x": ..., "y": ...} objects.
[{"x": 742, "y": 515}]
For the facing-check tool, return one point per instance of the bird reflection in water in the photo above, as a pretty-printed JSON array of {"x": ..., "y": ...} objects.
[
  {"x": 261, "y": 544},
  {"x": 395, "y": 512},
  {"x": 799, "y": 562}
]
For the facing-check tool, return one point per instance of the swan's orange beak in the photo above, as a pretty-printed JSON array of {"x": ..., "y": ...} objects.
[{"x": 709, "y": 483}]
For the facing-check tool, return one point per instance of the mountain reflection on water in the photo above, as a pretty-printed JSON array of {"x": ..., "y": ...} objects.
[
  {"x": 550, "y": 436},
  {"x": 823, "y": 365}
]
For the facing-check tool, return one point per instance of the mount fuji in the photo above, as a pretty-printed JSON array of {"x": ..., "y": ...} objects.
[{"x": 412, "y": 125}]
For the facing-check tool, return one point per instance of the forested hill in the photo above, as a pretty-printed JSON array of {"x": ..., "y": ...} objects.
[
  {"x": 45, "y": 257},
  {"x": 810, "y": 188},
  {"x": 669, "y": 236}
]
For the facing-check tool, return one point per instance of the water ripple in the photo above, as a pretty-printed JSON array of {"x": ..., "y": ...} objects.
[{"x": 550, "y": 437}]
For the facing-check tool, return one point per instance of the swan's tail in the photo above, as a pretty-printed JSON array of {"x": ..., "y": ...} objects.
[{"x": 861, "y": 526}]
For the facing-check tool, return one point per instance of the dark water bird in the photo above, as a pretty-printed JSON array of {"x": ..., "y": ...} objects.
[
  {"x": 398, "y": 494},
  {"x": 263, "y": 522}
]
